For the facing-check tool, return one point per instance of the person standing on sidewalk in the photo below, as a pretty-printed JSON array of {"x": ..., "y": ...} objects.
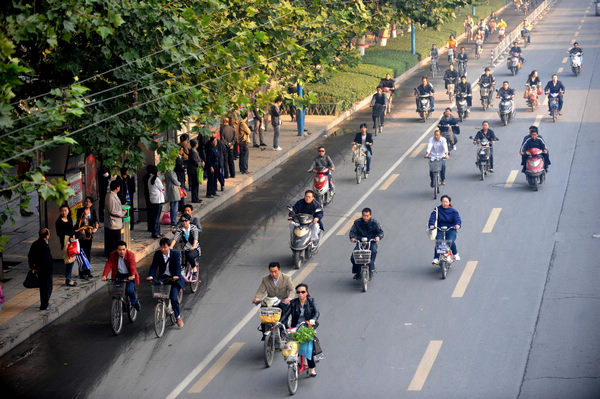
[
  {"x": 172, "y": 194},
  {"x": 194, "y": 161},
  {"x": 186, "y": 145},
  {"x": 243, "y": 139},
  {"x": 126, "y": 192},
  {"x": 157, "y": 199},
  {"x": 121, "y": 264},
  {"x": 113, "y": 218},
  {"x": 228, "y": 138},
  {"x": 276, "y": 122},
  {"x": 85, "y": 227},
  {"x": 41, "y": 263},
  {"x": 66, "y": 234},
  {"x": 180, "y": 172},
  {"x": 212, "y": 167},
  {"x": 259, "y": 127}
]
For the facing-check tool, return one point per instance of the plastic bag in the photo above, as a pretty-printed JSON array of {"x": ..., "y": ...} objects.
[{"x": 306, "y": 349}]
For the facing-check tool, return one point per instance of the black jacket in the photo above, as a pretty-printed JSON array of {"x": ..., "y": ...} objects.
[
  {"x": 369, "y": 230},
  {"x": 314, "y": 208},
  {"x": 40, "y": 258},
  {"x": 368, "y": 139},
  {"x": 127, "y": 185},
  {"x": 213, "y": 159},
  {"x": 554, "y": 88},
  {"x": 463, "y": 88},
  {"x": 428, "y": 89},
  {"x": 311, "y": 311},
  {"x": 451, "y": 77},
  {"x": 180, "y": 169},
  {"x": 487, "y": 79},
  {"x": 489, "y": 136}
]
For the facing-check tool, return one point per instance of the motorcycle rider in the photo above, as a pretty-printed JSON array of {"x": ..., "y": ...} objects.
[
  {"x": 526, "y": 26},
  {"x": 534, "y": 140},
  {"x": 447, "y": 216},
  {"x": 489, "y": 135},
  {"x": 488, "y": 78},
  {"x": 464, "y": 87},
  {"x": 506, "y": 90},
  {"x": 555, "y": 86},
  {"x": 378, "y": 103},
  {"x": 449, "y": 122},
  {"x": 450, "y": 76},
  {"x": 515, "y": 49},
  {"x": 437, "y": 147},
  {"x": 577, "y": 50},
  {"x": 311, "y": 206},
  {"x": 322, "y": 161},
  {"x": 501, "y": 24},
  {"x": 365, "y": 141},
  {"x": 370, "y": 228},
  {"x": 534, "y": 83},
  {"x": 425, "y": 88},
  {"x": 462, "y": 56}
]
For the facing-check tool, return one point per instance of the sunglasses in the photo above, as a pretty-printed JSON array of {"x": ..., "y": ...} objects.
[
  {"x": 321, "y": 150},
  {"x": 300, "y": 292}
]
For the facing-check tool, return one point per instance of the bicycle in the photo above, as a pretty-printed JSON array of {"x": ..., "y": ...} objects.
[
  {"x": 434, "y": 66},
  {"x": 296, "y": 363},
  {"x": 359, "y": 158},
  {"x": 162, "y": 308},
  {"x": 435, "y": 167},
  {"x": 120, "y": 303},
  {"x": 270, "y": 327},
  {"x": 362, "y": 257},
  {"x": 192, "y": 278}
]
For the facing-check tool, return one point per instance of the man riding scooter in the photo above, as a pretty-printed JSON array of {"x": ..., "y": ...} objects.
[
  {"x": 366, "y": 227},
  {"x": 449, "y": 127},
  {"x": 322, "y": 161},
  {"x": 534, "y": 140},
  {"x": 309, "y": 205}
]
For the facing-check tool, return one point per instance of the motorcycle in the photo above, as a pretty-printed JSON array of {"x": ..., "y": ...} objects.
[
  {"x": 461, "y": 106},
  {"x": 359, "y": 158},
  {"x": 576, "y": 64},
  {"x": 323, "y": 190},
  {"x": 424, "y": 106},
  {"x": 532, "y": 96},
  {"x": 443, "y": 252},
  {"x": 462, "y": 68},
  {"x": 485, "y": 92},
  {"x": 300, "y": 238},
  {"x": 534, "y": 168},
  {"x": 362, "y": 257},
  {"x": 270, "y": 328},
  {"x": 447, "y": 131},
  {"x": 506, "y": 109},
  {"x": 553, "y": 105},
  {"x": 483, "y": 156},
  {"x": 478, "y": 48},
  {"x": 513, "y": 63},
  {"x": 451, "y": 83}
]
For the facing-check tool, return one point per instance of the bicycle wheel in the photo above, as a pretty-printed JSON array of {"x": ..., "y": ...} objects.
[
  {"x": 269, "y": 350},
  {"x": 364, "y": 278},
  {"x": 358, "y": 174},
  {"x": 116, "y": 316},
  {"x": 159, "y": 318},
  {"x": 195, "y": 281},
  {"x": 443, "y": 269},
  {"x": 132, "y": 312},
  {"x": 292, "y": 378},
  {"x": 436, "y": 185}
]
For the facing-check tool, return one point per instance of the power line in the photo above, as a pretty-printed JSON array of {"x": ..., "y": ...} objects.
[{"x": 47, "y": 143}]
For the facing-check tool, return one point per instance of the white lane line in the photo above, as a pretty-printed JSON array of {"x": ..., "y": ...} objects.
[
  {"x": 576, "y": 34},
  {"x": 492, "y": 219},
  {"x": 216, "y": 368},
  {"x": 560, "y": 70},
  {"x": 425, "y": 366},
  {"x": 564, "y": 60},
  {"x": 545, "y": 101},
  {"x": 511, "y": 178},
  {"x": 538, "y": 119},
  {"x": 389, "y": 182},
  {"x": 233, "y": 332},
  {"x": 464, "y": 280}
]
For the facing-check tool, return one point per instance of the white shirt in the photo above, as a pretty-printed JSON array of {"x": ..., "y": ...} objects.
[
  {"x": 437, "y": 149},
  {"x": 156, "y": 193},
  {"x": 275, "y": 282},
  {"x": 121, "y": 267},
  {"x": 363, "y": 146},
  {"x": 166, "y": 258}
]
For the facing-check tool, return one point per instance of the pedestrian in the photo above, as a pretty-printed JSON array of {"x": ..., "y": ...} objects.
[
  {"x": 180, "y": 172},
  {"x": 103, "y": 182},
  {"x": 222, "y": 147},
  {"x": 41, "y": 264},
  {"x": 303, "y": 309},
  {"x": 276, "y": 121},
  {"x": 147, "y": 197},
  {"x": 66, "y": 233},
  {"x": 121, "y": 264},
  {"x": 113, "y": 218},
  {"x": 172, "y": 196},
  {"x": 186, "y": 145},
  {"x": 212, "y": 168},
  {"x": 126, "y": 192},
  {"x": 194, "y": 161},
  {"x": 259, "y": 127},
  {"x": 243, "y": 139},
  {"x": 157, "y": 199},
  {"x": 228, "y": 138},
  {"x": 85, "y": 228}
]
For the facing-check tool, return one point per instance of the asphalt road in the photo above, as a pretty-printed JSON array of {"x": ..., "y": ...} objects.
[{"x": 525, "y": 325}]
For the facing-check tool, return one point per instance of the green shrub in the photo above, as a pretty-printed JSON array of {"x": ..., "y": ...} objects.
[
  {"x": 344, "y": 87},
  {"x": 371, "y": 70},
  {"x": 399, "y": 61}
]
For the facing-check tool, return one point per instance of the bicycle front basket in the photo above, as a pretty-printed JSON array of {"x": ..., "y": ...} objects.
[
  {"x": 269, "y": 315},
  {"x": 161, "y": 291},
  {"x": 435, "y": 165},
  {"x": 362, "y": 256},
  {"x": 117, "y": 288}
]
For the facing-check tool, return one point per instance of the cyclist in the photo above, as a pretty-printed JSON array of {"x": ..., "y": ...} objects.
[
  {"x": 121, "y": 264},
  {"x": 186, "y": 239},
  {"x": 437, "y": 148},
  {"x": 370, "y": 228},
  {"x": 167, "y": 264},
  {"x": 365, "y": 141},
  {"x": 378, "y": 103},
  {"x": 275, "y": 285},
  {"x": 464, "y": 58}
]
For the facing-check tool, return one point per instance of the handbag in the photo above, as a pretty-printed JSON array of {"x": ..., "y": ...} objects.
[
  {"x": 166, "y": 219},
  {"x": 540, "y": 92},
  {"x": 433, "y": 232},
  {"x": 200, "y": 175},
  {"x": 84, "y": 263},
  {"x": 182, "y": 193},
  {"x": 66, "y": 257},
  {"x": 73, "y": 248},
  {"x": 32, "y": 280},
  {"x": 317, "y": 350}
]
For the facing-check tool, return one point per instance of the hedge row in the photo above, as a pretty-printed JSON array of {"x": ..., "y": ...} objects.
[{"x": 344, "y": 88}]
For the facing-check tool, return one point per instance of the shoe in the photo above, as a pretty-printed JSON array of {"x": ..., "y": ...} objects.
[
  {"x": 197, "y": 202},
  {"x": 454, "y": 147},
  {"x": 255, "y": 146},
  {"x": 71, "y": 284},
  {"x": 277, "y": 148},
  {"x": 431, "y": 184},
  {"x": 313, "y": 374},
  {"x": 137, "y": 306},
  {"x": 179, "y": 322},
  {"x": 209, "y": 196},
  {"x": 46, "y": 308},
  {"x": 356, "y": 276},
  {"x": 375, "y": 126},
  {"x": 443, "y": 183},
  {"x": 263, "y": 128},
  {"x": 457, "y": 257},
  {"x": 263, "y": 144},
  {"x": 435, "y": 261},
  {"x": 491, "y": 170},
  {"x": 155, "y": 237},
  {"x": 222, "y": 188},
  {"x": 366, "y": 175}
]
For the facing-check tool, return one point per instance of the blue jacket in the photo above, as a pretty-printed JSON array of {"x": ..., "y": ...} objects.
[
  {"x": 447, "y": 217},
  {"x": 369, "y": 230},
  {"x": 368, "y": 139},
  {"x": 159, "y": 266}
]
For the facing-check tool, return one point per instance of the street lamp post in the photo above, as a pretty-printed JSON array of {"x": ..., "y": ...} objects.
[
  {"x": 412, "y": 38},
  {"x": 300, "y": 112}
]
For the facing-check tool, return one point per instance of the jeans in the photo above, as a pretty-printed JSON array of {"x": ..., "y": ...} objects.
[
  {"x": 174, "y": 301},
  {"x": 259, "y": 131},
  {"x": 156, "y": 211},
  {"x": 442, "y": 172},
  {"x": 368, "y": 155},
  {"x": 244, "y": 157},
  {"x": 190, "y": 256},
  {"x": 129, "y": 288},
  {"x": 221, "y": 176},
  {"x": 450, "y": 236},
  {"x": 276, "y": 136},
  {"x": 173, "y": 212},
  {"x": 68, "y": 272},
  {"x": 356, "y": 268}
]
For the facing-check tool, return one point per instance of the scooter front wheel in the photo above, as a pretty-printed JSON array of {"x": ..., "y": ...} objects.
[{"x": 297, "y": 260}]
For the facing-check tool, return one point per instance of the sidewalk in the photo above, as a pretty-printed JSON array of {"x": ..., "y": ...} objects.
[{"x": 20, "y": 317}]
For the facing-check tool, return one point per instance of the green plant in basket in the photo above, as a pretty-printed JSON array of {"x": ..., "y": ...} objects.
[{"x": 304, "y": 334}]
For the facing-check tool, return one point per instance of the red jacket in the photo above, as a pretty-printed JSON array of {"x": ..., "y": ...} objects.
[{"x": 113, "y": 263}]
